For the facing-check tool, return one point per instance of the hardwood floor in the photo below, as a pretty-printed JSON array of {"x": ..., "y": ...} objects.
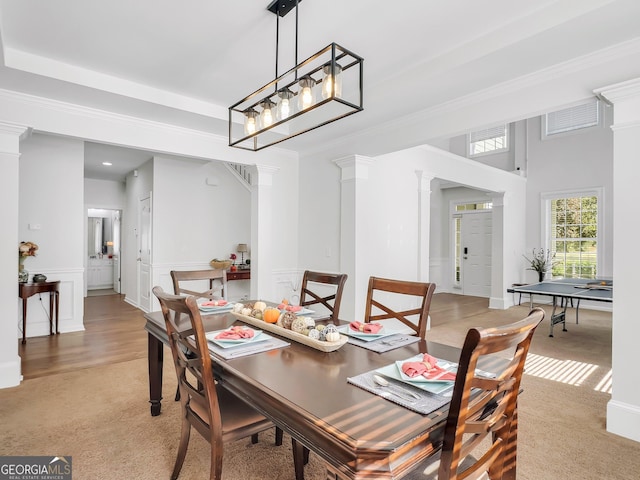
[{"x": 114, "y": 332}]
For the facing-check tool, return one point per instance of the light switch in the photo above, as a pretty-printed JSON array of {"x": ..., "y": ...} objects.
[{"x": 35, "y": 226}]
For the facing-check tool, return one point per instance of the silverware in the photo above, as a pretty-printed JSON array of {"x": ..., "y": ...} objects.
[
  {"x": 393, "y": 341},
  {"x": 256, "y": 349},
  {"x": 393, "y": 388}
]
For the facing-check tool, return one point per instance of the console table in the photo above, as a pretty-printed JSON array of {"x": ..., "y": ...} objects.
[
  {"x": 25, "y": 290},
  {"x": 240, "y": 274}
]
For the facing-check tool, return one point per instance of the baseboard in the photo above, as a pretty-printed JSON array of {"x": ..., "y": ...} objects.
[
  {"x": 623, "y": 419},
  {"x": 10, "y": 375}
]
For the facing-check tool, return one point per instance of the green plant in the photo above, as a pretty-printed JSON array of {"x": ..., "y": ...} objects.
[{"x": 541, "y": 260}]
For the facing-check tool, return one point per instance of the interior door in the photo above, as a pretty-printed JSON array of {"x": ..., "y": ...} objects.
[
  {"x": 476, "y": 234},
  {"x": 144, "y": 253}
]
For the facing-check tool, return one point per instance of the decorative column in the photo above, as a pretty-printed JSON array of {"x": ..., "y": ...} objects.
[
  {"x": 623, "y": 410},
  {"x": 10, "y": 135},
  {"x": 263, "y": 231},
  {"x": 424, "y": 224},
  {"x": 353, "y": 231}
]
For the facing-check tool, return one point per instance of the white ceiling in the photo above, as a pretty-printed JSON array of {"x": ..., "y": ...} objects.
[{"x": 184, "y": 63}]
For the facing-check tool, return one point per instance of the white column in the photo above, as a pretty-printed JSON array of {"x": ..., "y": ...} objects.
[
  {"x": 424, "y": 224},
  {"x": 498, "y": 287},
  {"x": 353, "y": 231},
  {"x": 10, "y": 374},
  {"x": 263, "y": 232},
  {"x": 623, "y": 410}
]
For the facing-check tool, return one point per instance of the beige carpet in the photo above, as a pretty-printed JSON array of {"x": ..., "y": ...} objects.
[{"x": 100, "y": 416}]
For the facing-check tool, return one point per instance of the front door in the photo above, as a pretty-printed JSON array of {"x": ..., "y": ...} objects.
[{"x": 475, "y": 232}]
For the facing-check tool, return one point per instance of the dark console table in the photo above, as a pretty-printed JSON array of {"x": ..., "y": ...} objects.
[{"x": 25, "y": 290}]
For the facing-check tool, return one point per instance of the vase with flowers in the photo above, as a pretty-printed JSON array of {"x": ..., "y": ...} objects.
[
  {"x": 541, "y": 261},
  {"x": 25, "y": 249}
]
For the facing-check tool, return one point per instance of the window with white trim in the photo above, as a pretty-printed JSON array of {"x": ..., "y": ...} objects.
[
  {"x": 489, "y": 140},
  {"x": 573, "y": 226},
  {"x": 573, "y": 118}
]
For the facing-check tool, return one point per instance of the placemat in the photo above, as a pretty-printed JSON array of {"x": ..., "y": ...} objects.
[
  {"x": 269, "y": 343},
  {"x": 385, "y": 344},
  {"x": 426, "y": 404}
]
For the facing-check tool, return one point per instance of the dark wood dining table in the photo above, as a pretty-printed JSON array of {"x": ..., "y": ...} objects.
[{"x": 305, "y": 392}]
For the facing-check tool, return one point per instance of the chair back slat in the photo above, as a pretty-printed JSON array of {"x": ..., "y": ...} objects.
[
  {"x": 184, "y": 282},
  {"x": 310, "y": 294},
  {"x": 378, "y": 308}
]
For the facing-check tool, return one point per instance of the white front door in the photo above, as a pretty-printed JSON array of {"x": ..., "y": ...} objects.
[
  {"x": 144, "y": 253},
  {"x": 476, "y": 254}
]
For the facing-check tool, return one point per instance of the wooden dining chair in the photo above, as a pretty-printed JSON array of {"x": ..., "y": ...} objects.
[
  {"x": 481, "y": 430},
  {"x": 184, "y": 281},
  {"x": 377, "y": 307},
  {"x": 312, "y": 292},
  {"x": 218, "y": 415}
]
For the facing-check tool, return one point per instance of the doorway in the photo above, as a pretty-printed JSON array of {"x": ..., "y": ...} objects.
[
  {"x": 473, "y": 258},
  {"x": 103, "y": 251}
]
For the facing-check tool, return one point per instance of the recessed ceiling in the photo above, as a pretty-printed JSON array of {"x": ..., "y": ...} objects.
[{"x": 184, "y": 63}]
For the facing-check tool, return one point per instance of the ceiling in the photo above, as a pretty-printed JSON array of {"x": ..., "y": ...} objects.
[{"x": 184, "y": 63}]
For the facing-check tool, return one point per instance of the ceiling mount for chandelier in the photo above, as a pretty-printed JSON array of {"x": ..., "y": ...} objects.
[{"x": 319, "y": 90}]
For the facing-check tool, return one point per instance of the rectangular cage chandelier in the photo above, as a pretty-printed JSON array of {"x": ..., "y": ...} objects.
[{"x": 319, "y": 90}]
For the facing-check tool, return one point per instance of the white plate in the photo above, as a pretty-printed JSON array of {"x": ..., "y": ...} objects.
[
  {"x": 391, "y": 371},
  {"x": 450, "y": 367},
  {"x": 226, "y": 342},
  {"x": 211, "y": 309},
  {"x": 367, "y": 337}
]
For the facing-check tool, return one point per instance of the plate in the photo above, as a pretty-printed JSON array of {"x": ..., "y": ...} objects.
[
  {"x": 391, "y": 371},
  {"x": 367, "y": 337},
  {"x": 210, "y": 309},
  {"x": 448, "y": 366},
  {"x": 226, "y": 343}
]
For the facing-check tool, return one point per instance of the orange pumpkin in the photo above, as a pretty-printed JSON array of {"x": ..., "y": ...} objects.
[{"x": 271, "y": 315}]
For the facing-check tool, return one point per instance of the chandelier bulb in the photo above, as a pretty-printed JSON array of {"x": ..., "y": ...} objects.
[
  {"x": 306, "y": 95},
  {"x": 250, "y": 121},
  {"x": 267, "y": 116},
  {"x": 285, "y": 105},
  {"x": 332, "y": 81}
]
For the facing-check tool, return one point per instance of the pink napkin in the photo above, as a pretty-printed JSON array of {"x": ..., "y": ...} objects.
[
  {"x": 235, "y": 333},
  {"x": 214, "y": 303},
  {"x": 428, "y": 368},
  {"x": 365, "y": 327}
]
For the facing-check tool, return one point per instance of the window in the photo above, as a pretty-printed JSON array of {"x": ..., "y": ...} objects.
[
  {"x": 573, "y": 231},
  {"x": 572, "y": 118},
  {"x": 490, "y": 140}
]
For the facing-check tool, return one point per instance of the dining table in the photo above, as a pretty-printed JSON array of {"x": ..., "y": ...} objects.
[{"x": 359, "y": 433}]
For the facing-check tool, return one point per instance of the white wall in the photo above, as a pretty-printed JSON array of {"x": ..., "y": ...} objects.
[
  {"x": 51, "y": 196},
  {"x": 104, "y": 194}
]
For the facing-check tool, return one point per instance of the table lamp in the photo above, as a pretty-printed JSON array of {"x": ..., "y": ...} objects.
[{"x": 242, "y": 249}]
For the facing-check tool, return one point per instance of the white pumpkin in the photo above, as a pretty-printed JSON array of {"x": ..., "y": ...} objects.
[{"x": 333, "y": 336}]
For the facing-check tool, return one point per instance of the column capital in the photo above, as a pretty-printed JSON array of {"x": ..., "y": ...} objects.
[
  {"x": 264, "y": 174},
  {"x": 354, "y": 167},
  {"x": 424, "y": 181},
  {"x": 10, "y": 136}
]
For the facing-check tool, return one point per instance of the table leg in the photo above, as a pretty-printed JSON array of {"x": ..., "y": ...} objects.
[
  {"x": 24, "y": 321},
  {"x": 155, "y": 358},
  {"x": 51, "y": 295},
  {"x": 57, "y": 312}
]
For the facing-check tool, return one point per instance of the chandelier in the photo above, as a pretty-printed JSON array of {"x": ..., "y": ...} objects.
[{"x": 319, "y": 90}]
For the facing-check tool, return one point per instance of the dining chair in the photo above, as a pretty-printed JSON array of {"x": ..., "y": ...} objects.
[
  {"x": 313, "y": 291},
  {"x": 218, "y": 415},
  {"x": 481, "y": 429},
  {"x": 383, "y": 291},
  {"x": 184, "y": 281}
]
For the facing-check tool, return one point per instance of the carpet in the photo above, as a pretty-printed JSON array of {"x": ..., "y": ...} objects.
[{"x": 100, "y": 416}]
